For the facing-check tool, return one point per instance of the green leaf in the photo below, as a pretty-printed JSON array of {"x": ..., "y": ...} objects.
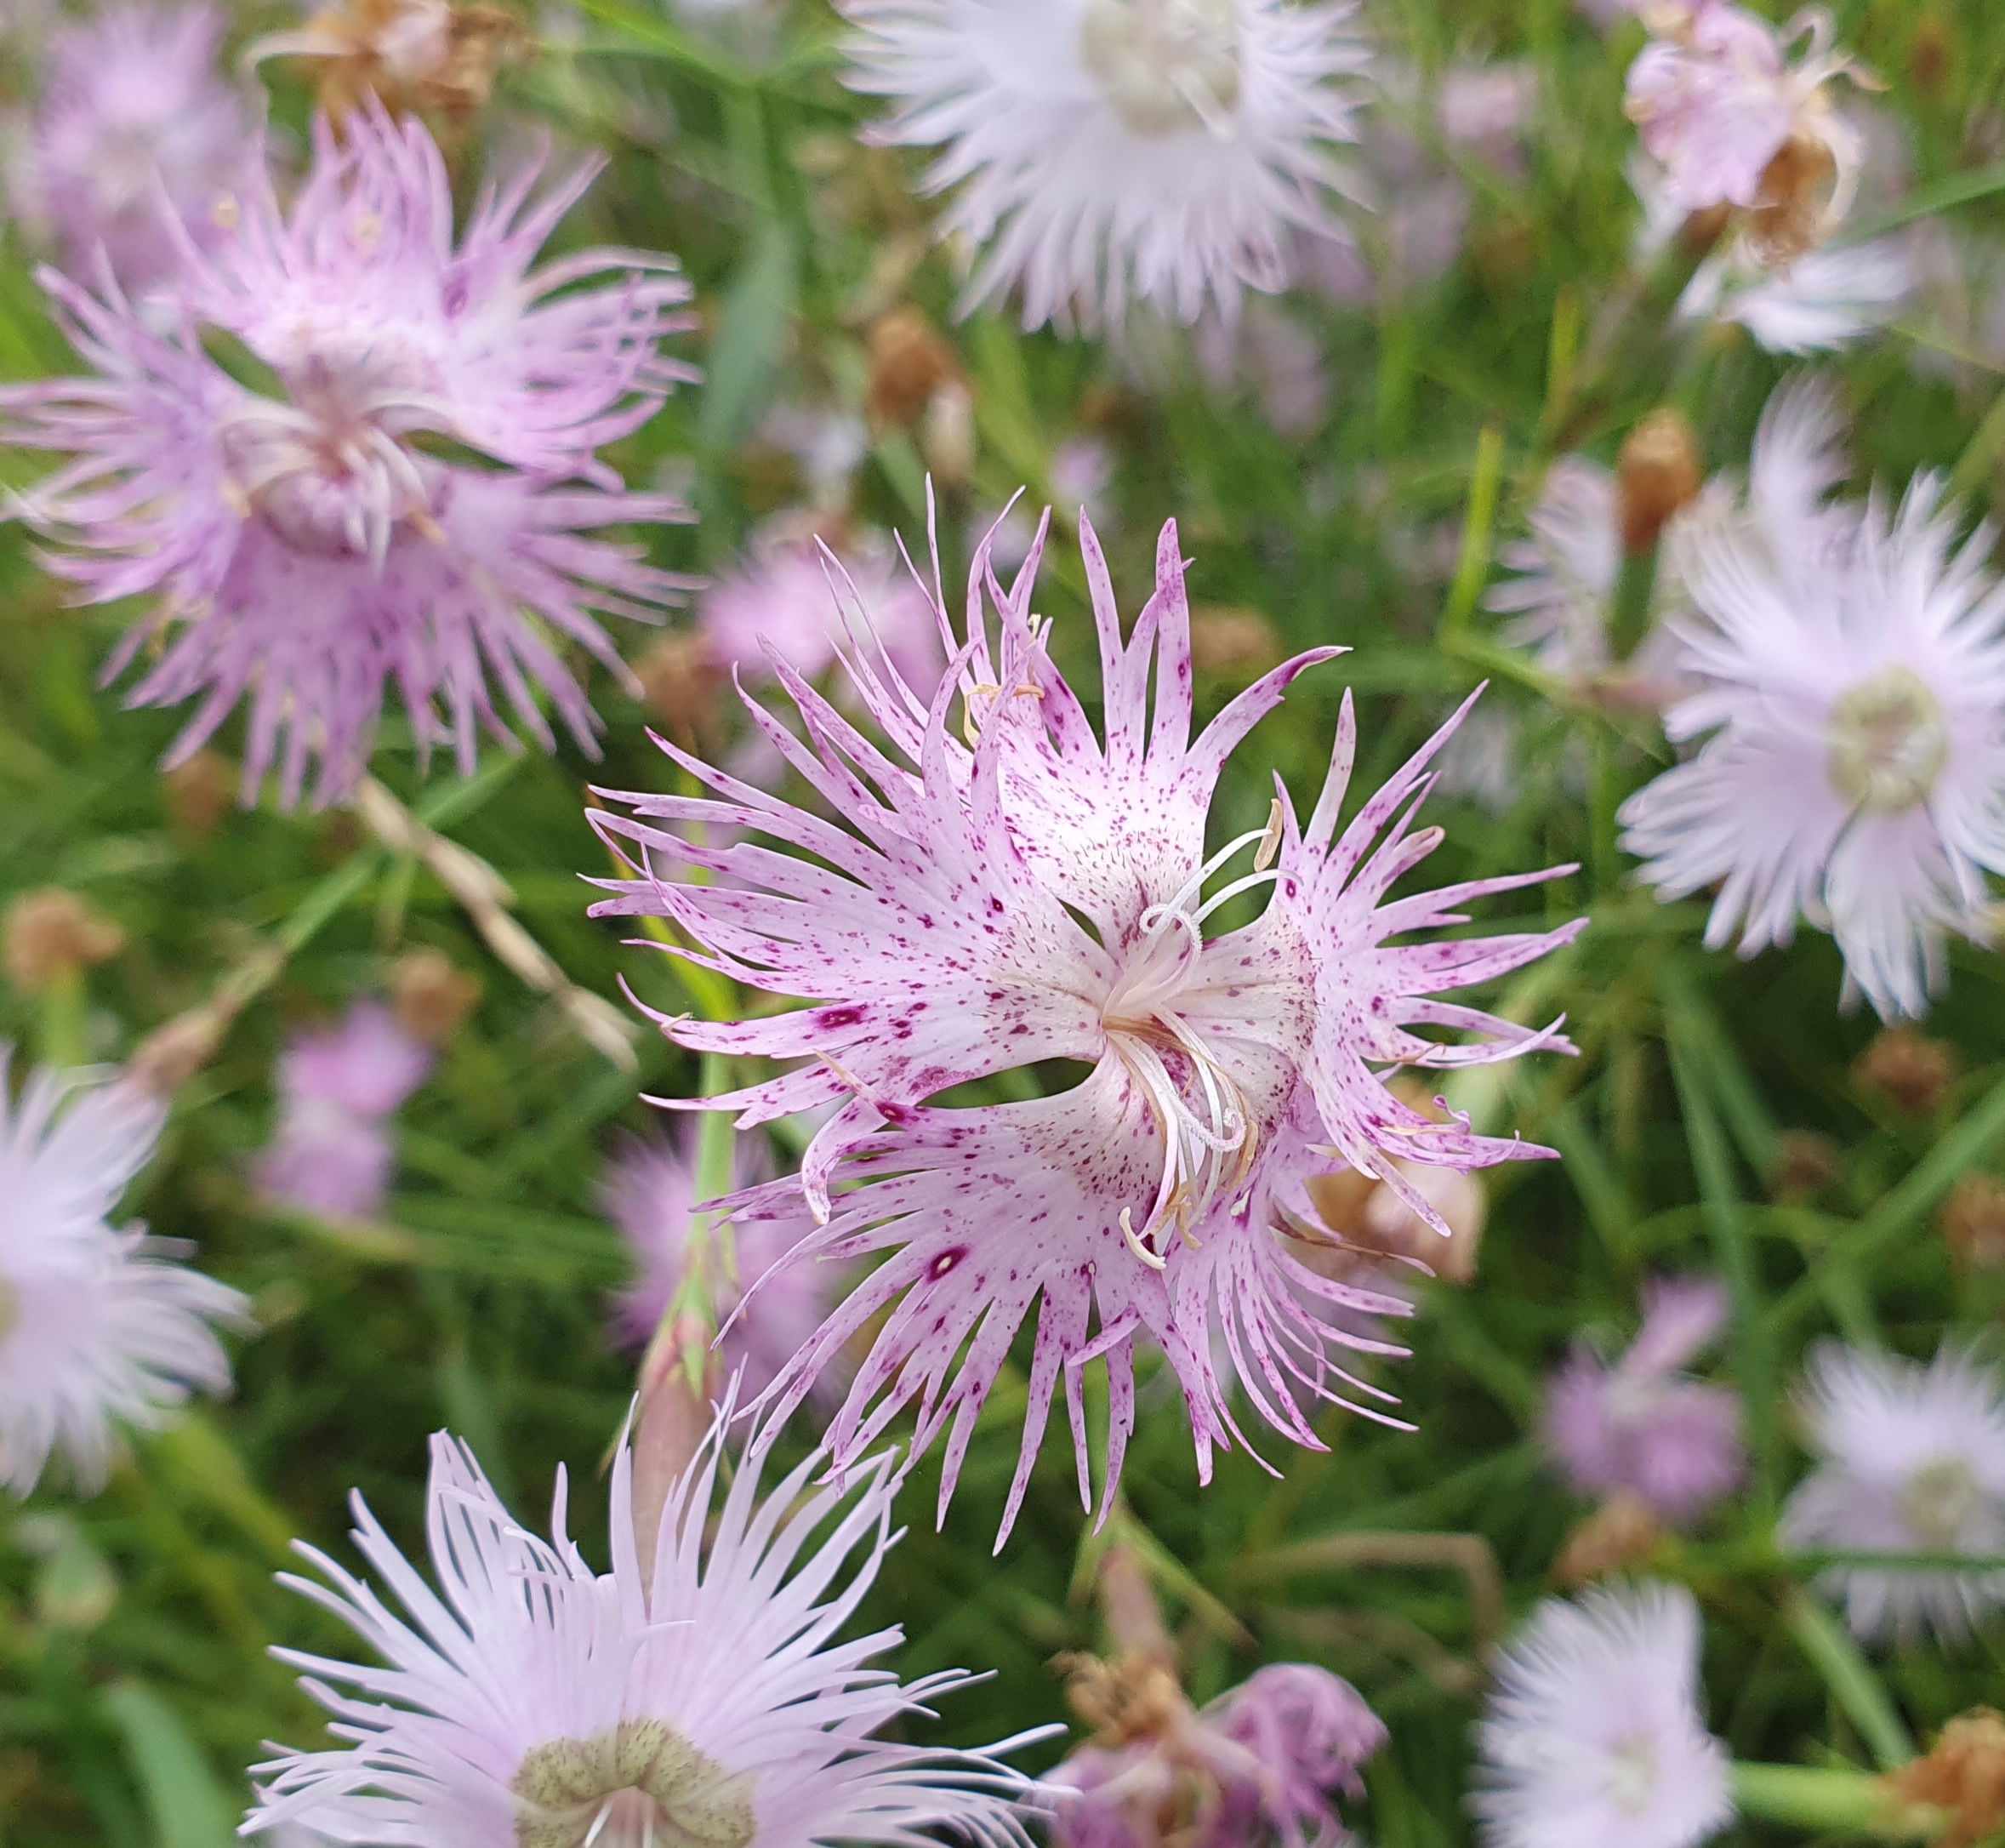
[
  {"x": 1852, "y": 1682},
  {"x": 753, "y": 326},
  {"x": 189, "y": 1804}
]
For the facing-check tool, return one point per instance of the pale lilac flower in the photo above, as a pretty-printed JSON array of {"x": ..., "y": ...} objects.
[
  {"x": 790, "y": 598},
  {"x": 1039, "y": 895},
  {"x": 1594, "y": 1736},
  {"x": 650, "y": 1194},
  {"x": 1851, "y": 692},
  {"x": 1910, "y": 1459},
  {"x": 532, "y": 1702},
  {"x": 98, "y": 1328},
  {"x": 1262, "y": 352},
  {"x": 1642, "y": 1424},
  {"x": 1265, "y": 1762},
  {"x": 308, "y": 546},
  {"x": 1562, "y": 589},
  {"x": 1081, "y": 476},
  {"x": 1715, "y": 99},
  {"x": 1822, "y": 300},
  {"x": 332, "y": 1152},
  {"x": 134, "y": 127},
  {"x": 1113, "y": 152}
]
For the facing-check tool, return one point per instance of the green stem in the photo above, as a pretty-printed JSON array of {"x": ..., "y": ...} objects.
[
  {"x": 62, "y": 1008},
  {"x": 1629, "y": 620},
  {"x": 1835, "y": 1799},
  {"x": 1853, "y": 1684},
  {"x": 1479, "y": 523}
]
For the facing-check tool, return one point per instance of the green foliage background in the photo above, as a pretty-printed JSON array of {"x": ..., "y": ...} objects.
[{"x": 134, "y": 1685}]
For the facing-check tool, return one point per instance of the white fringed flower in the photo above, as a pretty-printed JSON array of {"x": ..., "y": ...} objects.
[
  {"x": 532, "y": 1702},
  {"x": 1593, "y": 1738},
  {"x": 97, "y": 1329},
  {"x": 1911, "y": 1460},
  {"x": 1851, "y": 692},
  {"x": 1110, "y": 151}
]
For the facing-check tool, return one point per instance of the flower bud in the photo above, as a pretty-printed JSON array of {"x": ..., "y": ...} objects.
[
  {"x": 433, "y": 997},
  {"x": 1620, "y": 1533},
  {"x": 1792, "y": 215},
  {"x": 1806, "y": 1165},
  {"x": 412, "y": 55},
  {"x": 1657, "y": 474},
  {"x": 682, "y": 682},
  {"x": 1228, "y": 640},
  {"x": 1964, "y": 1773},
  {"x": 908, "y": 363},
  {"x": 947, "y": 434},
  {"x": 1973, "y": 1223},
  {"x": 1907, "y": 1067},
  {"x": 53, "y": 934}
]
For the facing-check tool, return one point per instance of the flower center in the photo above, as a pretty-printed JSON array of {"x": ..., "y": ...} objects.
[
  {"x": 1940, "y": 1501},
  {"x": 1888, "y": 742},
  {"x": 328, "y": 467},
  {"x": 1633, "y": 1775},
  {"x": 1165, "y": 65},
  {"x": 1208, "y": 1138},
  {"x": 640, "y": 1785}
]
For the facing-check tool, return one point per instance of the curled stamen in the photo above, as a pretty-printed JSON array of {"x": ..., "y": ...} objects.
[{"x": 1148, "y": 1257}]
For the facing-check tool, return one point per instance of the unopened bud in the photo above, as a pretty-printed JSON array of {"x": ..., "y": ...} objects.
[
  {"x": 411, "y": 55},
  {"x": 51, "y": 935},
  {"x": 1931, "y": 53},
  {"x": 1973, "y": 1223},
  {"x": 1791, "y": 214},
  {"x": 682, "y": 682},
  {"x": 1232, "y": 641},
  {"x": 199, "y": 793},
  {"x": 908, "y": 363},
  {"x": 1964, "y": 1773},
  {"x": 433, "y": 997},
  {"x": 1806, "y": 1165},
  {"x": 1905, "y": 1065},
  {"x": 947, "y": 434},
  {"x": 1657, "y": 475},
  {"x": 1621, "y": 1532}
]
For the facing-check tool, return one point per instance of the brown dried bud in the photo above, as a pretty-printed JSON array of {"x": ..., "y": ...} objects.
[
  {"x": 1620, "y": 1533},
  {"x": 199, "y": 793},
  {"x": 908, "y": 363},
  {"x": 1806, "y": 1165},
  {"x": 1657, "y": 474},
  {"x": 433, "y": 997},
  {"x": 1792, "y": 214},
  {"x": 1703, "y": 229},
  {"x": 169, "y": 1056},
  {"x": 1131, "y": 1698},
  {"x": 682, "y": 682},
  {"x": 1964, "y": 1773},
  {"x": 412, "y": 55},
  {"x": 53, "y": 934},
  {"x": 1931, "y": 53},
  {"x": 1907, "y": 1067},
  {"x": 1232, "y": 641},
  {"x": 1973, "y": 1223}
]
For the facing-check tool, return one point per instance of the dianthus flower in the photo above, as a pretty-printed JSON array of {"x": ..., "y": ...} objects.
[
  {"x": 1911, "y": 1459},
  {"x": 1040, "y": 894},
  {"x": 1114, "y": 151},
  {"x": 1642, "y": 1424},
  {"x": 782, "y": 598},
  {"x": 97, "y": 1328},
  {"x": 1851, "y": 678},
  {"x": 651, "y": 1196},
  {"x": 531, "y": 1703},
  {"x": 332, "y": 1152},
  {"x": 307, "y": 544},
  {"x": 134, "y": 125},
  {"x": 1715, "y": 100},
  {"x": 1263, "y": 1763},
  {"x": 1594, "y": 1738}
]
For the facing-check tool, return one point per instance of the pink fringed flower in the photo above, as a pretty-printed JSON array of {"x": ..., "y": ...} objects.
[
  {"x": 332, "y": 1153},
  {"x": 1715, "y": 100},
  {"x": 309, "y": 545},
  {"x": 134, "y": 125},
  {"x": 702, "y": 1698},
  {"x": 1108, "y": 152},
  {"x": 98, "y": 1328},
  {"x": 1642, "y": 1424},
  {"x": 651, "y": 1196},
  {"x": 1910, "y": 1459},
  {"x": 1593, "y": 1738},
  {"x": 1041, "y": 894},
  {"x": 785, "y": 599},
  {"x": 1265, "y": 1762}
]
